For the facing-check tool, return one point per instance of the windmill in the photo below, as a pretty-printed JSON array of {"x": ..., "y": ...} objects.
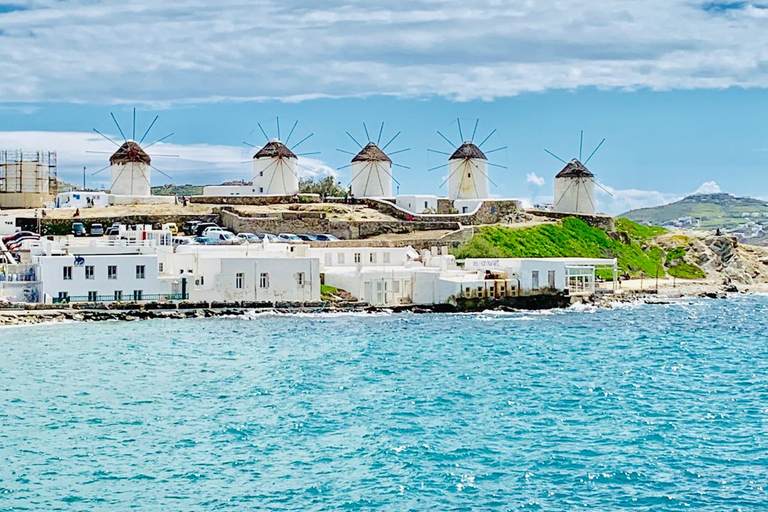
[
  {"x": 130, "y": 164},
  {"x": 575, "y": 184},
  {"x": 468, "y": 165},
  {"x": 275, "y": 163},
  {"x": 372, "y": 167}
]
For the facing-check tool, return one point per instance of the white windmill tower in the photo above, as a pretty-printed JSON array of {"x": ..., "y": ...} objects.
[
  {"x": 372, "y": 167},
  {"x": 575, "y": 184},
  {"x": 468, "y": 166},
  {"x": 131, "y": 165},
  {"x": 275, "y": 164}
]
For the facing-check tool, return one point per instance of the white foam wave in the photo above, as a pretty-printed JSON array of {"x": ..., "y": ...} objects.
[{"x": 254, "y": 314}]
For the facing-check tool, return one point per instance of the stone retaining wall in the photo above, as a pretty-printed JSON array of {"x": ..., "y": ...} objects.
[
  {"x": 604, "y": 222},
  {"x": 255, "y": 200},
  {"x": 344, "y": 229},
  {"x": 491, "y": 211}
]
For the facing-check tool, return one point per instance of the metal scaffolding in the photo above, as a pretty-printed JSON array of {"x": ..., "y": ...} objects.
[{"x": 33, "y": 172}]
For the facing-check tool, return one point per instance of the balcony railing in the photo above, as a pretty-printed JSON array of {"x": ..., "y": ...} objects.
[{"x": 127, "y": 298}]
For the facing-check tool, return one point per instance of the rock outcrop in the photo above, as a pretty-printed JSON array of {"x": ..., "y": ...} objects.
[{"x": 722, "y": 257}]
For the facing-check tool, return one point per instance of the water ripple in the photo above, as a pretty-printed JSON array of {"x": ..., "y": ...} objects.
[{"x": 649, "y": 408}]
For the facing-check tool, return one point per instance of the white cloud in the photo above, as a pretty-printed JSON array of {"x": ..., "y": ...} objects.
[
  {"x": 616, "y": 201},
  {"x": 709, "y": 187},
  {"x": 535, "y": 180},
  {"x": 196, "y": 163},
  {"x": 186, "y": 51}
]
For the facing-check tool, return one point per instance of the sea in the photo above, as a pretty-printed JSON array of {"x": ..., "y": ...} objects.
[{"x": 643, "y": 407}]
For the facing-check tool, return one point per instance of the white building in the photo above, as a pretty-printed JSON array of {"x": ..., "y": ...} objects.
[
  {"x": 575, "y": 189},
  {"x": 386, "y": 276},
  {"x": 81, "y": 199},
  {"x": 99, "y": 277},
  {"x": 249, "y": 272},
  {"x": 468, "y": 173},
  {"x": 371, "y": 173},
  {"x": 417, "y": 203},
  {"x": 7, "y": 225},
  {"x": 574, "y": 275},
  {"x": 91, "y": 270}
]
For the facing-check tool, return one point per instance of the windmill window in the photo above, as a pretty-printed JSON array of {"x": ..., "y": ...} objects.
[
  {"x": 261, "y": 190},
  {"x": 469, "y": 175},
  {"x": 261, "y": 173}
]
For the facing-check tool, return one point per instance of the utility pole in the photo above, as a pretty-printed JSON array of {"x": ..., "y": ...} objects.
[{"x": 83, "y": 178}]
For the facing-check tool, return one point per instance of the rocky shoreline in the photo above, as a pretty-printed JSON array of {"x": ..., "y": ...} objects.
[{"x": 42, "y": 314}]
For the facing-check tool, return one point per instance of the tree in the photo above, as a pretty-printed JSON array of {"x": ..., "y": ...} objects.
[{"x": 327, "y": 186}]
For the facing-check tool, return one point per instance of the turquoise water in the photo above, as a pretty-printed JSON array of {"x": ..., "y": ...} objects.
[{"x": 640, "y": 408}]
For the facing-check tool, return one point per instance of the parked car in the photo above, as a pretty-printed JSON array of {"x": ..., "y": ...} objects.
[
  {"x": 307, "y": 238},
  {"x": 270, "y": 237},
  {"x": 97, "y": 229},
  {"x": 288, "y": 237},
  {"x": 171, "y": 226},
  {"x": 205, "y": 240},
  {"x": 210, "y": 230},
  {"x": 190, "y": 226},
  {"x": 225, "y": 238},
  {"x": 326, "y": 237},
  {"x": 178, "y": 240},
  {"x": 113, "y": 230},
  {"x": 78, "y": 229},
  {"x": 249, "y": 238},
  {"x": 201, "y": 227},
  {"x": 15, "y": 236}
]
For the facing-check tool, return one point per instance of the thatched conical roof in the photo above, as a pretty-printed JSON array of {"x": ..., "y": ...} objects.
[
  {"x": 575, "y": 169},
  {"x": 130, "y": 152},
  {"x": 275, "y": 149},
  {"x": 466, "y": 151},
  {"x": 371, "y": 153}
]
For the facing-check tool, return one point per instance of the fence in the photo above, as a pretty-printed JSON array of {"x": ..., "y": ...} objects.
[{"x": 129, "y": 298}]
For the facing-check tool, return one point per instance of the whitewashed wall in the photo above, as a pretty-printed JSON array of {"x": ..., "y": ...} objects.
[
  {"x": 369, "y": 256},
  {"x": 575, "y": 195},
  {"x": 372, "y": 179},
  {"x": 218, "y": 280},
  {"x": 466, "y": 181},
  {"x": 131, "y": 179},
  {"x": 273, "y": 176},
  {"x": 417, "y": 203},
  {"x": 51, "y": 274}
]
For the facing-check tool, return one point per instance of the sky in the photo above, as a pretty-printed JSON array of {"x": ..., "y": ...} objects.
[{"x": 677, "y": 88}]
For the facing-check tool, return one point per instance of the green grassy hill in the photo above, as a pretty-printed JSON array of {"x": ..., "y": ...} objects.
[
  {"x": 632, "y": 245},
  {"x": 722, "y": 211}
]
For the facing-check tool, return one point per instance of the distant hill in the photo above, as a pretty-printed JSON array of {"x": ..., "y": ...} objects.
[
  {"x": 743, "y": 216},
  {"x": 714, "y": 211}
]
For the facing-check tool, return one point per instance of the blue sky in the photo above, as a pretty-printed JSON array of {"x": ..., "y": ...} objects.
[{"x": 681, "y": 104}]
